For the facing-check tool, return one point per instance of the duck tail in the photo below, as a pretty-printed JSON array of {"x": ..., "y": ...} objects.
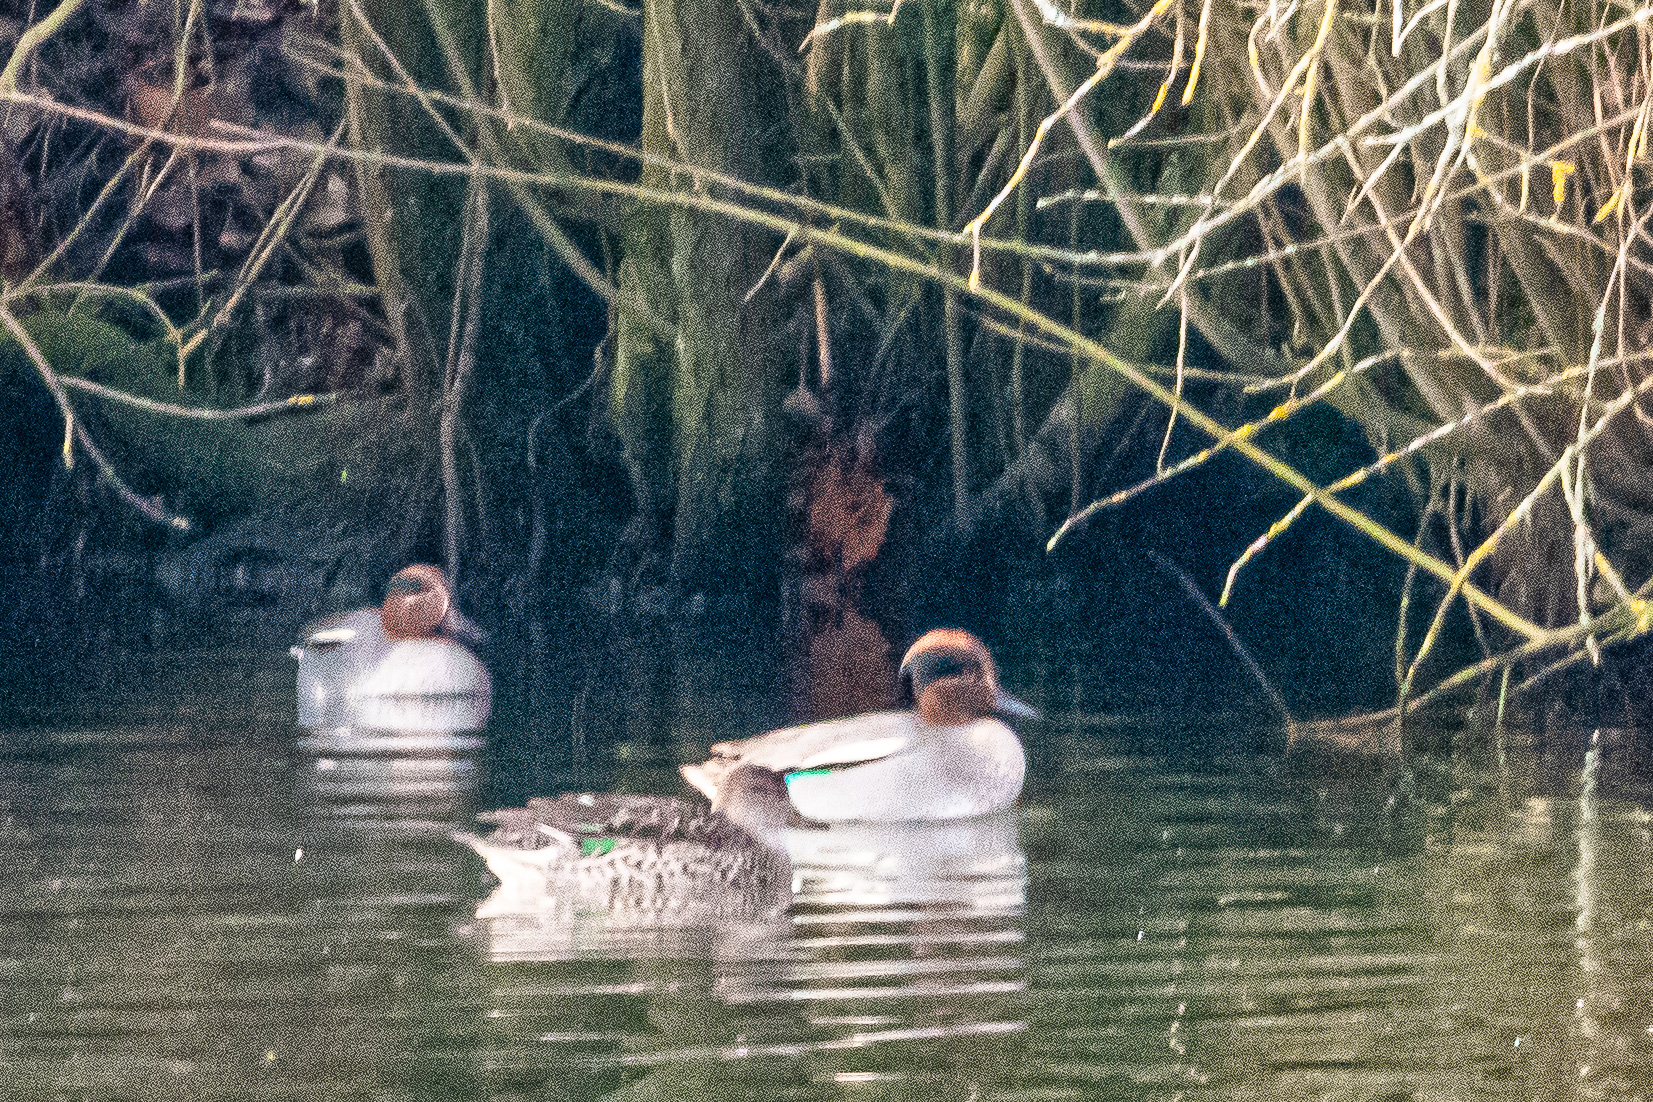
[
  {"x": 705, "y": 777},
  {"x": 483, "y": 849},
  {"x": 517, "y": 870},
  {"x": 479, "y": 845}
]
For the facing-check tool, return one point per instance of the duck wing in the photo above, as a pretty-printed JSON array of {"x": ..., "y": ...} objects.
[
  {"x": 610, "y": 816},
  {"x": 361, "y": 628},
  {"x": 849, "y": 741}
]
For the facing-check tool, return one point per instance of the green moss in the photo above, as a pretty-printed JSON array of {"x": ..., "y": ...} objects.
[{"x": 352, "y": 453}]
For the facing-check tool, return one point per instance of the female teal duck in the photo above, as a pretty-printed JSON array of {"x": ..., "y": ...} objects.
[
  {"x": 657, "y": 860},
  {"x": 404, "y": 666},
  {"x": 946, "y": 758}
]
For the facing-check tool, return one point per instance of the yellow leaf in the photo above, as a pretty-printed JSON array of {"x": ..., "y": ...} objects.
[{"x": 1559, "y": 171}]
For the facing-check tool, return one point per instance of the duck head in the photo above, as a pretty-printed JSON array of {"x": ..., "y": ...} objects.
[
  {"x": 949, "y": 676},
  {"x": 417, "y": 601}
]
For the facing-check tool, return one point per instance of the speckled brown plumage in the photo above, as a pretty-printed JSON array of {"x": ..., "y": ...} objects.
[
  {"x": 636, "y": 855},
  {"x": 589, "y": 815}
]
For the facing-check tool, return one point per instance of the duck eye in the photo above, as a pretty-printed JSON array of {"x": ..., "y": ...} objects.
[{"x": 952, "y": 665}]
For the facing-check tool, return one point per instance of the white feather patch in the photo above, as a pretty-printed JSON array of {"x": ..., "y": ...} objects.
[
  {"x": 854, "y": 753},
  {"x": 331, "y": 635}
]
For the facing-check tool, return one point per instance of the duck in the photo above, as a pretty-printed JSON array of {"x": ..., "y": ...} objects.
[
  {"x": 404, "y": 666},
  {"x": 641, "y": 859},
  {"x": 947, "y": 757}
]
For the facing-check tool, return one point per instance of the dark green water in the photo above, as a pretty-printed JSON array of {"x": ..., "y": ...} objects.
[{"x": 192, "y": 906}]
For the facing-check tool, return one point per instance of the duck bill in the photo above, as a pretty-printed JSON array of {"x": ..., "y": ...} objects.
[{"x": 1005, "y": 704}]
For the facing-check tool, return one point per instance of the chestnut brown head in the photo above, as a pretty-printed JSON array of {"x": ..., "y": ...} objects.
[
  {"x": 417, "y": 600},
  {"x": 949, "y": 676}
]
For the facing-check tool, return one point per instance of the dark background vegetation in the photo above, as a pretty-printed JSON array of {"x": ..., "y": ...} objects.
[{"x": 614, "y": 405}]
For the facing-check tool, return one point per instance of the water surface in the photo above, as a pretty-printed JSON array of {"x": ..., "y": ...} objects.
[{"x": 196, "y": 904}]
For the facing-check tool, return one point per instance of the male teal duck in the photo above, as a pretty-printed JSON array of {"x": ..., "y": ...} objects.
[
  {"x": 404, "y": 666},
  {"x": 656, "y": 860},
  {"x": 946, "y": 758}
]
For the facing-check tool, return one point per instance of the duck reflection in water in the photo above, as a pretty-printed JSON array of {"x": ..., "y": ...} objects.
[{"x": 902, "y": 808}]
